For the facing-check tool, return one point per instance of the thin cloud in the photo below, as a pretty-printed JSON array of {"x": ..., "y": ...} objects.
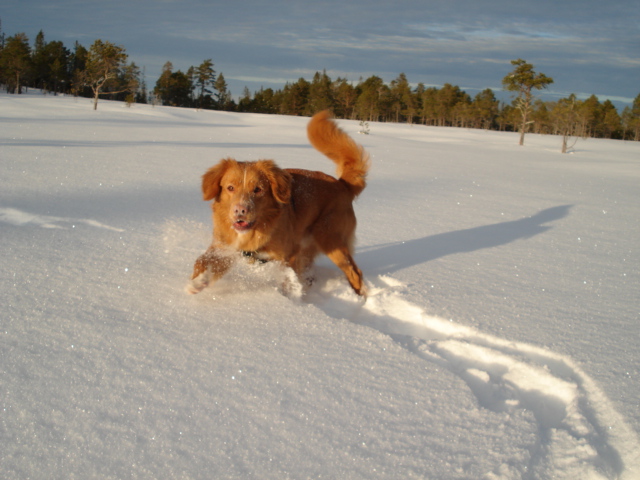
[{"x": 585, "y": 45}]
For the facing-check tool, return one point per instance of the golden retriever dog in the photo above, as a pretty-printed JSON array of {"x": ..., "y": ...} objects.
[{"x": 265, "y": 213}]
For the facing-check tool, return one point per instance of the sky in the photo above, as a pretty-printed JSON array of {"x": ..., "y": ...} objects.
[{"x": 586, "y": 46}]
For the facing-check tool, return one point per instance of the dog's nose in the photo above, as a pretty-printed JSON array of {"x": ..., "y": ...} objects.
[{"x": 240, "y": 209}]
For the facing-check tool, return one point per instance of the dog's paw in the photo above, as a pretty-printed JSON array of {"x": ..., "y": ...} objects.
[
  {"x": 308, "y": 278},
  {"x": 290, "y": 285},
  {"x": 192, "y": 288},
  {"x": 197, "y": 284}
]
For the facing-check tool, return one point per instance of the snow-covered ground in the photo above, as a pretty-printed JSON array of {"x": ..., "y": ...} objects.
[{"x": 500, "y": 340}]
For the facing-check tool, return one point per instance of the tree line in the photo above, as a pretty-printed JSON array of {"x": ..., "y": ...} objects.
[
  {"x": 103, "y": 70},
  {"x": 374, "y": 100}
]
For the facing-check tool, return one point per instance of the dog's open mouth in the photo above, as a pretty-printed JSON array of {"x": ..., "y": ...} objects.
[{"x": 242, "y": 225}]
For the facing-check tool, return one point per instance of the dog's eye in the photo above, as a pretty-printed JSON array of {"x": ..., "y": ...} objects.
[
  {"x": 257, "y": 190},
  {"x": 230, "y": 188}
]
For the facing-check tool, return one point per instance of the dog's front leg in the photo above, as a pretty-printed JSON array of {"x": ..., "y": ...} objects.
[{"x": 208, "y": 268}]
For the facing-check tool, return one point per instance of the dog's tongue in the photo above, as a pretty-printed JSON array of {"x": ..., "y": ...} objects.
[{"x": 242, "y": 225}]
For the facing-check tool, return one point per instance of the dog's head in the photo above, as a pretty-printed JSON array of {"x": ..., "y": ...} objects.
[{"x": 248, "y": 192}]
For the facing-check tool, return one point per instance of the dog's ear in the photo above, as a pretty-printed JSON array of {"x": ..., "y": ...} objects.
[
  {"x": 211, "y": 179},
  {"x": 279, "y": 180}
]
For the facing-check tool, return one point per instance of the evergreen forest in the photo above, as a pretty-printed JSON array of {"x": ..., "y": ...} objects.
[{"x": 103, "y": 70}]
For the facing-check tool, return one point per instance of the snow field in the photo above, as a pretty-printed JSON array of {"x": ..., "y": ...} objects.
[{"x": 499, "y": 339}]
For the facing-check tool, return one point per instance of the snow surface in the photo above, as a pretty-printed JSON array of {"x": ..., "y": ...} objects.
[{"x": 499, "y": 341}]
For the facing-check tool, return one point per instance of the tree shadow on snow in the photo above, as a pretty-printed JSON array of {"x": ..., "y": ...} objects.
[{"x": 388, "y": 258}]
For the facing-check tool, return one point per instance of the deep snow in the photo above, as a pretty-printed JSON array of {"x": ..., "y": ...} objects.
[{"x": 499, "y": 341}]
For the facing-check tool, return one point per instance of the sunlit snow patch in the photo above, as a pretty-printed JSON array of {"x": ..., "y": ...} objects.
[
  {"x": 580, "y": 433},
  {"x": 20, "y": 218}
]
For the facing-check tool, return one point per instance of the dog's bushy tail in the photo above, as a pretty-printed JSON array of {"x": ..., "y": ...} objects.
[{"x": 351, "y": 159}]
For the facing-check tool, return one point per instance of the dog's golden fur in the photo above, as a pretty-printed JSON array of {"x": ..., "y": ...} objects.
[{"x": 286, "y": 215}]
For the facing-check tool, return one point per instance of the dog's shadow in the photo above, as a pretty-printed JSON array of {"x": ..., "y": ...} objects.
[{"x": 391, "y": 257}]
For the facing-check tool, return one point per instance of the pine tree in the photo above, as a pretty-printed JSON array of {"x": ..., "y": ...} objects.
[
  {"x": 105, "y": 65},
  {"x": 50, "y": 65},
  {"x": 223, "y": 96},
  {"x": 174, "y": 88},
  {"x": 485, "y": 109},
  {"x": 611, "y": 125},
  {"x": 77, "y": 64},
  {"x": 589, "y": 116},
  {"x": 163, "y": 84},
  {"x": 565, "y": 114},
  {"x": 1, "y": 36},
  {"x": 40, "y": 62},
  {"x": 370, "y": 104},
  {"x": 403, "y": 103},
  {"x": 631, "y": 118},
  {"x": 15, "y": 62},
  {"x": 523, "y": 79},
  {"x": 39, "y": 43},
  {"x": 428, "y": 105},
  {"x": 263, "y": 101},
  {"x": 180, "y": 91},
  {"x": 446, "y": 100},
  {"x": 320, "y": 93},
  {"x": 244, "y": 105},
  {"x": 345, "y": 98},
  {"x": 204, "y": 76},
  {"x": 141, "y": 96},
  {"x": 295, "y": 98}
]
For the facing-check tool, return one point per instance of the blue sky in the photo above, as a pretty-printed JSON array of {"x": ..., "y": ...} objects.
[{"x": 587, "y": 47}]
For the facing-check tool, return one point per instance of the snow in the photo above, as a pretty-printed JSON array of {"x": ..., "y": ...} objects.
[{"x": 499, "y": 340}]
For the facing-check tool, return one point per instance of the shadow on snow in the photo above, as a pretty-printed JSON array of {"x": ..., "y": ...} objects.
[{"x": 388, "y": 258}]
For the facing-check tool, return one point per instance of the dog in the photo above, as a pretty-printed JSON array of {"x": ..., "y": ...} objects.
[{"x": 266, "y": 213}]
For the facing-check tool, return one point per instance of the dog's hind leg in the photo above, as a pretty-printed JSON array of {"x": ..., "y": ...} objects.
[{"x": 343, "y": 259}]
